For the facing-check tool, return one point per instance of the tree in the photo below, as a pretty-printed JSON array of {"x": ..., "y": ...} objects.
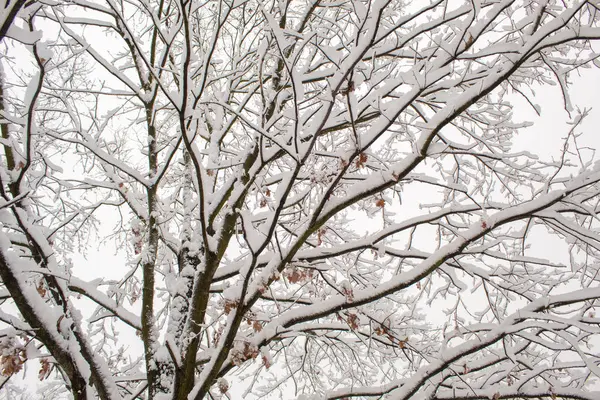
[{"x": 299, "y": 186}]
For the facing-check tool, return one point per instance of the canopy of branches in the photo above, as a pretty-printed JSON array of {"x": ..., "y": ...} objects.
[{"x": 312, "y": 199}]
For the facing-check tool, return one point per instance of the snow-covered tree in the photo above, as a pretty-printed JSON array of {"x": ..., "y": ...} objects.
[{"x": 313, "y": 199}]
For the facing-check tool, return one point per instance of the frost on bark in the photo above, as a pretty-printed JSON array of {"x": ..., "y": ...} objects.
[{"x": 314, "y": 199}]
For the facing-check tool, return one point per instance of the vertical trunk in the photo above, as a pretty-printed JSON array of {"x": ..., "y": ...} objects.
[
  {"x": 149, "y": 335},
  {"x": 185, "y": 377},
  {"x": 188, "y": 259}
]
